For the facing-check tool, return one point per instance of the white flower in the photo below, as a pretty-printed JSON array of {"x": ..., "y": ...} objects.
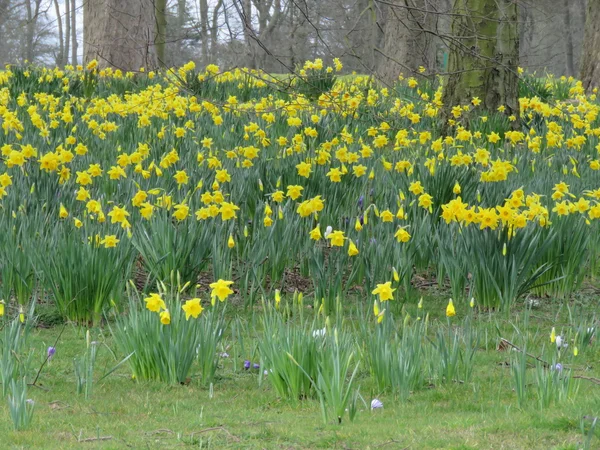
[
  {"x": 375, "y": 404},
  {"x": 560, "y": 343},
  {"x": 328, "y": 231},
  {"x": 319, "y": 333}
]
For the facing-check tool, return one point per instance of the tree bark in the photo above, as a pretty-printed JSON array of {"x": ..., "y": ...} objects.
[
  {"x": 214, "y": 29},
  {"x": 67, "y": 30},
  {"x": 32, "y": 18},
  {"x": 204, "y": 30},
  {"x": 120, "y": 33},
  {"x": 181, "y": 20},
  {"x": 568, "y": 33},
  {"x": 484, "y": 56},
  {"x": 161, "y": 31},
  {"x": 74, "y": 32},
  {"x": 590, "y": 64},
  {"x": 406, "y": 44},
  {"x": 248, "y": 32},
  {"x": 60, "y": 61}
]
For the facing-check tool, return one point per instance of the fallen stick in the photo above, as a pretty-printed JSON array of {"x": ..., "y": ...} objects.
[
  {"x": 593, "y": 380},
  {"x": 505, "y": 341},
  {"x": 99, "y": 438}
]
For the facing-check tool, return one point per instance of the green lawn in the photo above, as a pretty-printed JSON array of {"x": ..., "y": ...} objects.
[{"x": 238, "y": 413}]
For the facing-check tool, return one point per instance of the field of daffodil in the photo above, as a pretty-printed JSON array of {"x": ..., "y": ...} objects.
[
  {"x": 108, "y": 176},
  {"x": 192, "y": 220}
]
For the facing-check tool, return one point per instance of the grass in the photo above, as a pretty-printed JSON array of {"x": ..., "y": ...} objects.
[{"x": 238, "y": 413}]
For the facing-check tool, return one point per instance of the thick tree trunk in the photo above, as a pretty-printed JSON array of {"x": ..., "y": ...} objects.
[
  {"x": 74, "y": 32},
  {"x": 406, "y": 45},
  {"x": 120, "y": 33},
  {"x": 568, "y": 39},
  {"x": 484, "y": 56},
  {"x": 67, "y": 30},
  {"x": 590, "y": 64},
  {"x": 161, "y": 31},
  {"x": 61, "y": 44}
]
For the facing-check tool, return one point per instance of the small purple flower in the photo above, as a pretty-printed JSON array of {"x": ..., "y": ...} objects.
[
  {"x": 246, "y": 364},
  {"x": 256, "y": 366},
  {"x": 362, "y": 219},
  {"x": 51, "y": 352},
  {"x": 224, "y": 355},
  {"x": 361, "y": 200},
  {"x": 376, "y": 404},
  {"x": 373, "y": 241},
  {"x": 558, "y": 367}
]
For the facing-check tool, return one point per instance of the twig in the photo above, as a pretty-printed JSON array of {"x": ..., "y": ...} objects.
[
  {"x": 47, "y": 357},
  {"x": 592, "y": 379},
  {"x": 206, "y": 430},
  {"x": 99, "y": 438},
  {"x": 528, "y": 354},
  {"x": 391, "y": 441},
  {"x": 161, "y": 430}
]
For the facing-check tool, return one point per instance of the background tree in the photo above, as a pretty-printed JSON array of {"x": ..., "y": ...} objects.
[
  {"x": 373, "y": 37},
  {"x": 408, "y": 38},
  {"x": 590, "y": 66},
  {"x": 73, "y": 32},
  {"x": 161, "y": 30},
  {"x": 120, "y": 33},
  {"x": 60, "y": 57},
  {"x": 484, "y": 55}
]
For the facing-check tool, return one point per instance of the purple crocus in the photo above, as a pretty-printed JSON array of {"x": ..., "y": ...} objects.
[
  {"x": 246, "y": 364},
  {"x": 51, "y": 352},
  {"x": 360, "y": 201},
  {"x": 558, "y": 367},
  {"x": 376, "y": 404},
  {"x": 256, "y": 366}
]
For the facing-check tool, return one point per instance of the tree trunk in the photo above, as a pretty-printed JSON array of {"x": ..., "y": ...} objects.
[
  {"x": 74, "y": 32},
  {"x": 568, "y": 33},
  {"x": 120, "y": 33},
  {"x": 32, "y": 17},
  {"x": 590, "y": 64},
  {"x": 181, "y": 17},
  {"x": 214, "y": 29},
  {"x": 248, "y": 32},
  {"x": 204, "y": 30},
  {"x": 269, "y": 15},
  {"x": 61, "y": 44},
  {"x": 161, "y": 31},
  {"x": 406, "y": 45},
  {"x": 67, "y": 30},
  {"x": 484, "y": 56}
]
